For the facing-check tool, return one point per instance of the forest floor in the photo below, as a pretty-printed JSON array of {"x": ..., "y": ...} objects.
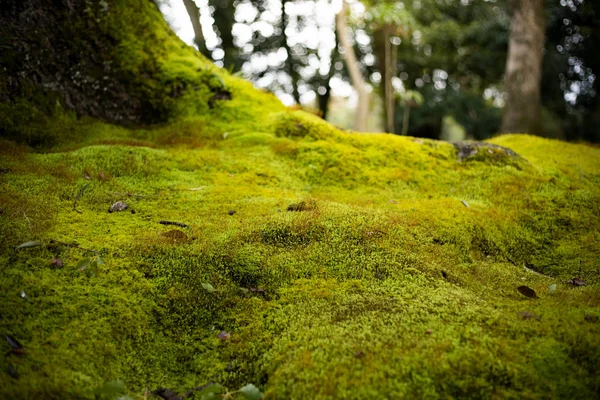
[
  {"x": 252, "y": 246},
  {"x": 348, "y": 266}
]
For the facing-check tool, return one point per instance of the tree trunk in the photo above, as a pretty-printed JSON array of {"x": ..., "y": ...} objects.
[
  {"x": 223, "y": 15},
  {"x": 362, "y": 110},
  {"x": 289, "y": 62},
  {"x": 523, "y": 67},
  {"x": 386, "y": 55},
  {"x": 323, "y": 99},
  {"x": 194, "y": 14}
]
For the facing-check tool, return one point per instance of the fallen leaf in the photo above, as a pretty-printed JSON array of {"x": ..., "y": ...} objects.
[
  {"x": 251, "y": 392},
  {"x": 83, "y": 263},
  {"x": 14, "y": 343},
  {"x": 465, "y": 203},
  {"x": 12, "y": 371},
  {"x": 208, "y": 287},
  {"x": 209, "y": 389},
  {"x": 527, "y": 292},
  {"x": 27, "y": 245}
]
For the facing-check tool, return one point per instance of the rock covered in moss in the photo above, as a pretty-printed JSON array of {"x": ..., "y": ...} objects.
[{"x": 466, "y": 150}]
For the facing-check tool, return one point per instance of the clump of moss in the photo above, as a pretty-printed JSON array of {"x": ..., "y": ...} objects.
[{"x": 395, "y": 274}]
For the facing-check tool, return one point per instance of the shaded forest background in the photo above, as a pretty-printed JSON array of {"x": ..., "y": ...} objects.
[
  {"x": 443, "y": 60},
  {"x": 429, "y": 67}
]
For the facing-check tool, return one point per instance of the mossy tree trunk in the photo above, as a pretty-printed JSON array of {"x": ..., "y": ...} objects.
[
  {"x": 523, "y": 67},
  {"x": 104, "y": 59}
]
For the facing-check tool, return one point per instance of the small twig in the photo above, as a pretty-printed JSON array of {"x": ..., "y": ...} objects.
[
  {"x": 79, "y": 196},
  {"x": 128, "y": 194},
  {"x": 73, "y": 245},
  {"x": 181, "y": 224},
  {"x": 28, "y": 221}
]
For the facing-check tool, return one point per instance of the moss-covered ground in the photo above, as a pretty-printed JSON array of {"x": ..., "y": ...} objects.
[{"x": 393, "y": 274}]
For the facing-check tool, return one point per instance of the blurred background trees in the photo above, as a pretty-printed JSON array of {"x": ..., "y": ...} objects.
[{"x": 460, "y": 58}]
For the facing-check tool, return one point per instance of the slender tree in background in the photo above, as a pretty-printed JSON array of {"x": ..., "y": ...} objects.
[
  {"x": 224, "y": 11},
  {"x": 289, "y": 66},
  {"x": 524, "y": 67},
  {"x": 194, "y": 14},
  {"x": 362, "y": 109}
]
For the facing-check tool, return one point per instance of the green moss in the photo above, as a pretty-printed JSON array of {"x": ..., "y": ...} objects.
[{"x": 399, "y": 280}]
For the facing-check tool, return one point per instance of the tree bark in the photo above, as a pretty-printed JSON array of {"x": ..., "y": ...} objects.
[
  {"x": 323, "y": 99},
  {"x": 289, "y": 62},
  {"x": 362, "y": 110},
  {"x": 223, "y": 15},
  {"x": 523, "y": 67},
  {"x": 194, "y": 14}
]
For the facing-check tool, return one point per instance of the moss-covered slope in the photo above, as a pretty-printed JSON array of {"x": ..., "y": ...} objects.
[{"x": 341, "y": 265}]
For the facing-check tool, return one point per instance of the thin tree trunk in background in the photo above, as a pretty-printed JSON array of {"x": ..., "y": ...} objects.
[
  {"x": 194, "y": 14},
  {"x": 289, "y": 62},
  {"x": 523, "y": 67},
  {"x": 386, "y": 54},
  {"x": 405, "y": 120},
  {"x": 223, "y": 15},
  {"x": 323, "y": 99},
  {"x": 391, "y": 57},
  {"x": 362, "y": 110}
]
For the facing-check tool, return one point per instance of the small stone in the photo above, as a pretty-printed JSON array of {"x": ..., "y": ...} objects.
[
  {"x": 577, "y": 282},
  {"x": 223, "y": 336},
  {"x": 528, "y": 315},
  {"x": 118, "y": 206},
  {"x": 57, "y": 262}
]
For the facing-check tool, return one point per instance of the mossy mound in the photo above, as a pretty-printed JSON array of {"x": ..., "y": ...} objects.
[{"x": 310, "y": 262}]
